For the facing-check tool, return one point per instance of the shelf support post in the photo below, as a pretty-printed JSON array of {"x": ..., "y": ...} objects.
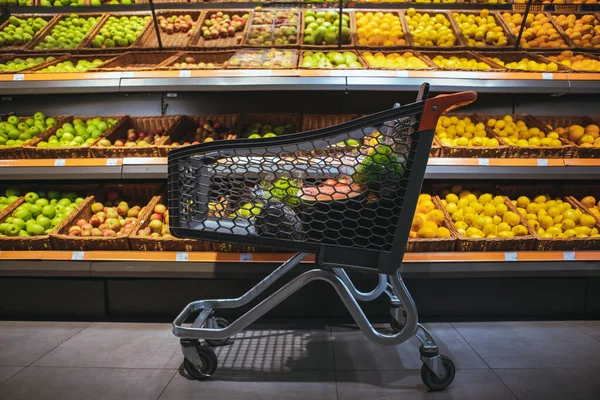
[
  {"x": 522, "y": 28},
  {"x": 156, "y": 27}
]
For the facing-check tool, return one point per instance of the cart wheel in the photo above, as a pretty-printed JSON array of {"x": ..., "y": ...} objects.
[
  {"x": 208, "y": 366},
  {"x": 434, "y": 383},
  {"x": 221, "y": 323}
]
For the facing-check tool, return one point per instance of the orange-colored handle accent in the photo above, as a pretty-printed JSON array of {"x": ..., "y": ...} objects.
[{"x": 438, "y": 105}]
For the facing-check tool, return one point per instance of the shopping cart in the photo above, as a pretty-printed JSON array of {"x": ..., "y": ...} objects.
[{"x": 346, "y": 194}]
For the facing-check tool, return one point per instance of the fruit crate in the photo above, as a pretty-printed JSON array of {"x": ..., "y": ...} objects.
[
  {"x": 563, "y": 36},
  {"x": 9, "y": 57},
  {"x": 578, "y": 16},
  {"x": 31, "y": 150},
  {"x": 138, "y": 61},
  {"x": 589, "y": 56},
  {"x": 427, "y": 245},
  {"x": 566, "y": 121},
  {"x": 86, "y": 44},
  {"x": 134, "y": 194},
  {"x": 500, "y": 151},
  {"x": 350, "y": 45},
  {"x": 463, "y": 54},
  {"x": 17, "y": 152},
  {"x": 143, "y": 124},
  {"x": 359, "y": 59},
  {"x": 74, "y": 59},
  {"x": 234, "y": 42},
  {"x": 516, "y": 56},
  {"x": 49, "y": 18},
  {"x": 175, "y": 40},
  {"x": 254, "y": 30},
  {"x": 453, "y": 26},
  {"x": 187, "y": 125},
  {"x": 375, "y": 47},
  {"x": 511, "y": 39},
  {"x": 101, "y": 18},
  {"x": 275, "y": 120},
  {"x": 218, "y": 58},
  {"x": 430, "y": 66},
  {"x": 257, "y": 58},
  {"x": 140, "y": 242},
  {"x": 567, "y": 149}
]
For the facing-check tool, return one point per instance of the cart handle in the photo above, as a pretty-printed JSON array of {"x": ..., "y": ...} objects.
[{"x": 438, "y": 105}]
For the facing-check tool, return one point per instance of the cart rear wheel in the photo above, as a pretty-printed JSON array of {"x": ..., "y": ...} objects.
[
  {"x": 431, "y": 380},
  {"x": 221, "y": 323},
  {"x": 206, "y": 368}
]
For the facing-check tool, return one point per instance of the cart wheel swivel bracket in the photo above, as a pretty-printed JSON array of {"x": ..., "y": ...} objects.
[{"x": 435, "y": 364}]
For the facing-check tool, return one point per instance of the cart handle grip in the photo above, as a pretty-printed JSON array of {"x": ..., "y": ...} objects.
[{"x": 438, "y": 105}]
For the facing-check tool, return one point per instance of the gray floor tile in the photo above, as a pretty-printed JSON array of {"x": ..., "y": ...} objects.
[
  {"x": 21, "y": 343},
  {"x": 118, "y": 345},
  {"x": 592, "y": 328},
  {"x": 353, "y": 351},
  {"x": 299, "y": 385},
  {"x": 407, "y": 385},
  {"x": 531, "y": 344},
  {"x": 552, "y": 384},
  {"x": 7, "y": 372},
  {"x": 52, "y": 383}
]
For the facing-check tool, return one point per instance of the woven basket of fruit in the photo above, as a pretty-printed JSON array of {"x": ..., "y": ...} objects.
[
  {"x": 255, "y": 126},
  {"x": 311, "y": 59},
  {"x": 274, "y": 28},
  {"x": 194, "y": 129},
  {"x": 462, "y": 61},
  {"x": 33, "y": 26},
  {"x": 444, "y": 36},
  {"x": 583, "y": 29},
  {"x": 155, "y": 236},
  {"x": 264, "y": 59},
  {"x": 199, "y": 60},
  {"x": 466, "y": 136},
  {"x": 370, "y": 28},
  {"x": 9, "y": 193},
  {"x": 19, "y": 131},
  {"x": 524, "y": 62},
  {"x": 586, "y": 202},
  {"x": 578, "y": 62},
  {"x": 540, "y": 33},
  {"x": 55, "y": 36},
  {"x": 28, "y": 221},
  {"x": 398, "y": 60},
  {"x": 176, "y": 29},
  {"x": 582, "y": 132},
  {"x": 25, "y": 63},
  {"x": 105, "y": 220},
  {"x": 138, "y": 61},
  {"x": 117, "y": 32},
  {"x": 483, "y": 29},
  {"x": 430, "y": 230},
  {"x": 527, "y": 138},
  {"x": 135, "y": 137},
  {"x": 72, "y": 137},
  {"x": 221, "y": 29},
  {"x": 80, "y": 63},
  {"x": 320, "y": 30}
]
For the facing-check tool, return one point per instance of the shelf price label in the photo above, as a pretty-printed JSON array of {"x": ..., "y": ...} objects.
[
  {"x": 181, "y": 256},
  {"x": 542, "y": 162},
  {"x": 78, "y": 255},
  {"x": 547, "y": 75},
  {"x": 18, "y": 77},
  {"x": 185, "y": 73},
  {"x": 111, "y": 162},
  {"x": 484, "y": 161},
  {"x": 569, "y": 256},
  {"x": 510, "y": 256},
  {"x": 59, "y": 162},
  {"x": 246, "y": 257}
]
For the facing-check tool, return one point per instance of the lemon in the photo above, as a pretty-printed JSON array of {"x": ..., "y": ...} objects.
[
  {"x": 520, "y": 230},
  {"x": 490, "y": 229},
  {"x": 546, "y": 222},
  {"x": 511, "y": 218},
  {"x": 503, "y": 226},
  {"x": 588, "y": 221},
  {"x": 427, "y": 232},
  {"x": 523, "y": 201},
  {"x": 496, "y": 219},
  {"x": 458, "y": 216},
  {"x": 501, "y": 209},
  {"x": 567, "y": 224},
  {"x": 451, "y": 198},
  {"x": 506, "y": 234},
  {"x": 451, "y": 208},
  {"x": 498, "y": 200},
  {"x": 443, "y": 232},
  {"x": 461, "y": 225},
  {"x": 540, "y": 199},
  {"x": 436, "y": 216},
  {"x": 489, "y": 210}
]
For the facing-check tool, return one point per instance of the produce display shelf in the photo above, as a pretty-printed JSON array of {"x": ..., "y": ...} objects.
[{"x": 437, "y": 168}]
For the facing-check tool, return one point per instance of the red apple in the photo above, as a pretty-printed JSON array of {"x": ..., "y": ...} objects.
[
  {"x": 95, "y": 221},
  {"x": 108, "y": 232},
  {"x": 96, "y": 232},
  {"x": 119, "y": 143},
  {"x": 160, "y": 208},
  {"x": 156, "y": 217},
  {"x": 81, "y": 223}
]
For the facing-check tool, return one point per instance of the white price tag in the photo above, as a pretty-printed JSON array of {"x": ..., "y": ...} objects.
[
  {"x": 78, "y": 255},
  {"x": 402, "y": 74},
  {"x": 18, "y": 77},
  {"x": 185, "y": 73},
  {"x": 111, "y": 161},
  {"x": 484, "y": 161},
  {"x": 547, "y": 75},
  {"x": 60, "y": 162},
  {"x": 542, "y": 162},
  {"x": 510, "y": 256},
  {"x": 246, "y": 257},
  {"x": 180, "y": 256},
  {"x": 569, "y": 256},
  {"x": 127, "y": 74}
]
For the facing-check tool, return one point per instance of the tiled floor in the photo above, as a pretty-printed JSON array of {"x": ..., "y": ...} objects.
[{"x": 309, "y": 360}]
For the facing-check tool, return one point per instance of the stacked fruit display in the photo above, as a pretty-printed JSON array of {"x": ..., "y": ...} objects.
[
  {"x": 273, "y": 27},
  {"x": 15, "y": 132},
  {"x": 19, "y": 31},
  {"x": 538, "y": 32},
  {"x": 481, "y": 30},
  {"x": 454, "y": 62},
  {"x": 379, "y": 29},
  {"x": 135, "y": 138},
  {"x": 427, "y": 30},
  {"x": 453, "y": 131},
  {"x": 323, "y": 28},
  {"x": 68, "y": 33},
  {"x": 175, "y": 24},
  {"x": 10, "y": 196},
  {"x": 258, "y": 129},
  {"x": 269, "y": 59},
  {"x": 78, "y": 133},
  {"x": 19, "y": 64},
  {"x": 158, "y": 227},
  {"x": 478, "y": 216},
  {"x": 584, "y": 31},
  {"x": 406, "y": 60},
  {"x": 190, "y": 62},
  {"x": 428, "y": 222},
  {"x": 526, "y": 64},
  {"x": 556, "y": 219},
  {"x": 61, "y": 3},
  {"x": 333, "y": 59},
  {"x": 67, "y": 66},
  {"x": 580, "y": 62},
  {"x": 112, "y": 218},
  {"x": 587, "y": 136},
  {"x": 120, "y": 31},
  {"x": 590, "y": 203},
  {"x": 519, "y": 134},
  {"x": 222, "y": 25},
  {"x": 40, "y": 213},
  {"x": 208, "y": 130}
]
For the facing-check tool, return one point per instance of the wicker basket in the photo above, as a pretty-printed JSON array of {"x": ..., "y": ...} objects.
[
  {"x": 271, "y": 119},
  {"x": 235, "y": 42},
  {"x": 473, "y": 151},
  {"x": 141, "y": 61},
  {"x": 256, "y": 53},
  {"x": 274, "y": 25},
  {"x": 512, "y": 40},
  {"x": 218, "y": 58},
  {"x": 516, "y": 56},
  {"x": 459, "y": 44},
  {"x": 358, "y": 58},
  {"x": 370, "y": 47},
  {"x": 319, "y": 121},
  {"x": 325, "y": 47},
  {"x": 144, "y": 124},
  {"x": 48, "y": 30},
  {"x": 175, "y": 40},
  {"x": 49, "y": 18},
  {"x": 58, "y": 58},
  {"x": 564, "y": 33},
  {"x": 32, "y": 151},
  {"x": 576, "y": 200},
  {"x": 589, "y": 56},
  {"x": 187, "y": 124},
  {"x": 86, "y": 44},
  {"x": 74, "y": 59},
  {"x": 134, "y": 194},
  {"x": 423, "y": 245},
  {"x": 565, "y": 122},
  {"x": 565, "y": 151},
  {"x": 430, "y": 65},
  {"x": 563, "y": 36},
  {"x": 464, "y": 54},
  {"x": 17, "y": 152}
]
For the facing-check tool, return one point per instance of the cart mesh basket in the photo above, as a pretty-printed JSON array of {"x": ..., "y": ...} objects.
[{"x": 347, "y": 192}]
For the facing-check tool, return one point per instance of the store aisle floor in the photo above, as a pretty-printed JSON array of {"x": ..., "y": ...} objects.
[{"x": 308, "y": 360}]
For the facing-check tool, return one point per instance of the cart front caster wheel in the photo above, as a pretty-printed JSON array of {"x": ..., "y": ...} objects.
[
  {"x": 206, "y": 368},
  {"x": 431, "y": 380},
  {"x": 221, "y": 323}
]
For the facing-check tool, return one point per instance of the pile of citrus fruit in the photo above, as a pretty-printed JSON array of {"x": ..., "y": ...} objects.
[
  {"x": 379, "y": 29},
  {"x": 428, "y": 222}
]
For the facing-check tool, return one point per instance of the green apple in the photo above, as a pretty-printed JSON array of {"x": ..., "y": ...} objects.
[
  {"x": 42, "y": 202},
  {"x": 12, "y": 192},
  {"x": 49, "y": 211},
  {"x": 35, "y": 229},
  {"x": 64, "y": 202},
  {"x": 22, "y": 213},
  {"x": 44, "y": 221},
  {"x": 18, "y": 222},
  {"x": 12, "y": 230},
  {"x": 35, "y": 210},
  {"x": 3, "y": 227},
  {"x": 31, "y": 197}
]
